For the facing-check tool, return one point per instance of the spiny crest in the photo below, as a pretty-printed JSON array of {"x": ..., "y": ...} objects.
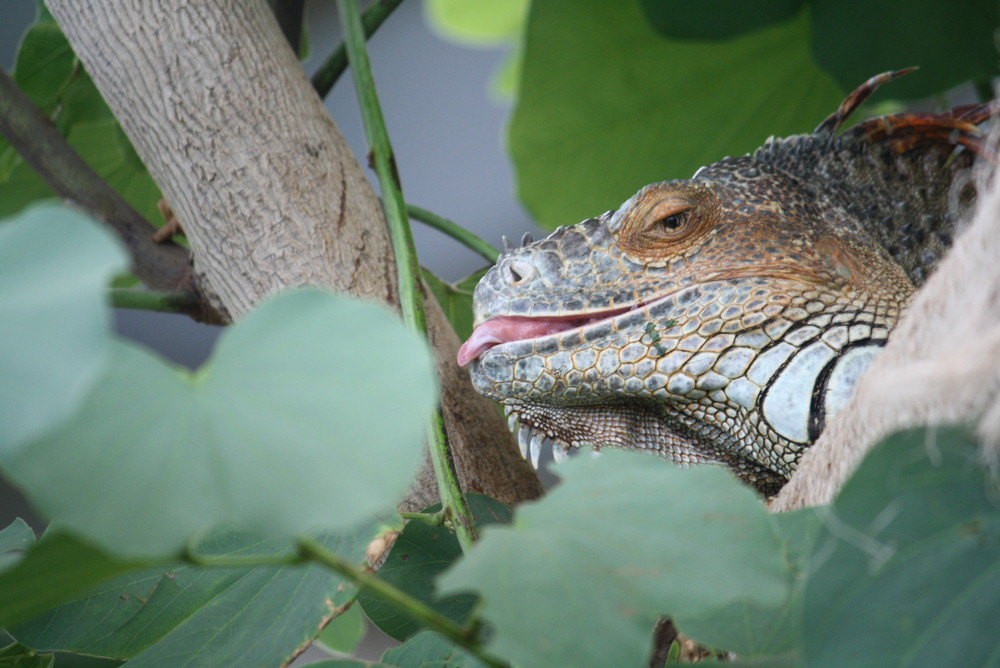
[{"x": 902, "y": 179}]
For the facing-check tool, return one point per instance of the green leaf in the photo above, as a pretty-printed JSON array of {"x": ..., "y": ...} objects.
[
  {"x": 952, "y": 42},
  {"x": 421, "y": 552},
  {"x": 429, "y": 650},
  {"x": 56, "y": 568},
  {"x": 583, "y": 574},
  {"x": 752, "y": 630},
  {"x": 283, "y": 432},
  {"x": 15, "y": 539},
  {"x": 105, "y": 147},
  {"x": 44, "y": 62},
  {"x": 606, "y": 105},
  {"x": 456, "y": 299},
  {"x": 715, "y": 19},
  {"x": 48, "y": 71},
  {"x": 54, "y": 328},
  {"x": 479, "y": 22},
  {"x": 19, "y": 656},
  {"x": 185, "y": 615},
  {"x": 909, "y": 565},
  {"x": 345, "y": 631}
]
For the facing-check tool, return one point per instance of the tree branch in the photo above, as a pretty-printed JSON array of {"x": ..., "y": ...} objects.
[
  {"x": 270, "y": 196},
  {"x": 160, "y": 266}
]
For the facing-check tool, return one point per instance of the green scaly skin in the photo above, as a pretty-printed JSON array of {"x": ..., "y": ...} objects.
[{"x": 726, "y": 317}]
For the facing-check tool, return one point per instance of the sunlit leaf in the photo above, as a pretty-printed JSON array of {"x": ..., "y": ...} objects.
[
  {"x": 584, "y": 573},
  {"x": 179, "y": 614},
  {"x": 284, "y": 431},
  {"x": 909, "y": 565},
  {"x": 477, "y": 21},
  {"x": 606, "y": 105},
  {"x": 54, "y": 327}
]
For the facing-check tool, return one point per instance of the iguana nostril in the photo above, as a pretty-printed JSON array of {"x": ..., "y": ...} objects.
[{"x": 519, "y": 271}]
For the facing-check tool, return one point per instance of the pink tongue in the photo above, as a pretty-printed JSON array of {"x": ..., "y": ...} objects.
[{"x": 508, "y": 328}]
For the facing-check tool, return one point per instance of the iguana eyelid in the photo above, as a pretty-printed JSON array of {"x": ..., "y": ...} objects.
[{"x": 664, "y": 210}]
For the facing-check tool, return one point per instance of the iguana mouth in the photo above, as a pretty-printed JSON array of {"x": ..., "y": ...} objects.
[{"x": 504, "y": 329}]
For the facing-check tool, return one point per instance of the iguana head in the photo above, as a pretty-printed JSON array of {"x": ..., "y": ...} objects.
[
  {"x": 722, "y": 318},
  {"x": 649, "y": 326}
]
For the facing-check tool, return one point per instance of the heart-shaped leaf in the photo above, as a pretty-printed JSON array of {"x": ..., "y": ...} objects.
[
  {"x": 952, "y": 42},
  {"x": 715, "y": 19},
  {"x": 310, "y": 416},
  {"x": 583, "y": 574},
  {"x": 53, "y": 570},
  {"x": 54, "y": 327},
  {"x": 179, "y": 614},
  {"x": 606, "y": 105},
  {"x": 15, "y": 539},
  {"x": 419, "y": 555},
  {"x": 429, "y": 650},
  {"x": 909, "y": 565}
]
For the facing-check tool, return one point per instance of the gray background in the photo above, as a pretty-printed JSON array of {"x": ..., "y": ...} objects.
[{"x": 447, "y": 132}]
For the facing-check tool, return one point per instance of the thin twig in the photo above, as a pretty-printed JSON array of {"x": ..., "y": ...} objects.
[
  {"x": 454, "y": 230},
  {"x": 335, "y": 64},
  {"x": 433, "y": 519},
  {"x": 160, "y": 266},
  {"x": 465, "y": 637},
  {"x": 407, "y": 270}
]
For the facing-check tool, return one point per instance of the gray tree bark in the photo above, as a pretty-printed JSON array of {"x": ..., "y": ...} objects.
[{"x": 270, "y": 197}]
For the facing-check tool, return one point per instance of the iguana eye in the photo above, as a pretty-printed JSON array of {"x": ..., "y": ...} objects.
[
  {"x": 669, "y": 218},
  {"x": 672, "y": 222}
]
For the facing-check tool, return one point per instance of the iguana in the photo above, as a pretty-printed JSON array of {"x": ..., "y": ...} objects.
[{"x": 726, "y": 317}]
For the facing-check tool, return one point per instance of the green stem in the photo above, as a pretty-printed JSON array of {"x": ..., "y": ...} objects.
[
  {"x": 453, "y": 230},
  {"x": 418, "y": 610},
  {"x": 335, "y": 64},
  {"x": 149, "y": 300},
  {"x": 433, "y": 519},
  {"x": 191, "y": 556},
  {"x": 407, "y": 270}
]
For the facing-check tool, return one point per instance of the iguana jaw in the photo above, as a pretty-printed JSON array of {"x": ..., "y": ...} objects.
[
  {"x": 633, "y": 425},
  {"x": 506, "y": 329}
]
